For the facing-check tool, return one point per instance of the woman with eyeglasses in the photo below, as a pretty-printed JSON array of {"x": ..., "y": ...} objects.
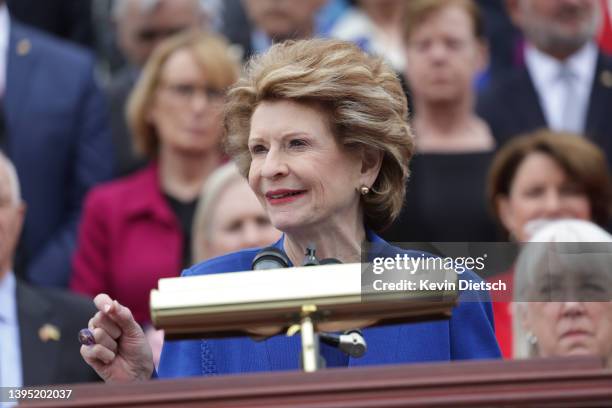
[{"x": 137, "y": 229}]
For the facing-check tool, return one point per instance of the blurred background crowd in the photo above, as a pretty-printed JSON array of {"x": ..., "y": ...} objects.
[{"x": 112, "y": 115}]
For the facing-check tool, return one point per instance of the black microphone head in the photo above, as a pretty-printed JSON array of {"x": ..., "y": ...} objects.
[
  {"x": 329, "y": 261},
  {"x": 270, "y": 258}
]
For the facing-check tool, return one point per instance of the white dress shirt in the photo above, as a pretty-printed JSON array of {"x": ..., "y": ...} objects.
[
  {"x": 544, "y": 71},
  {"x": 10, "y": 349}
]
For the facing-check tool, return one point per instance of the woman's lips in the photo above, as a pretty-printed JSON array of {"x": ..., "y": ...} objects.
[
  {"x": 283, "y": 196},
  {"x": 575, "y": 333}
]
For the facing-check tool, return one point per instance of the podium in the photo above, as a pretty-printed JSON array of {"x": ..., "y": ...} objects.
[{"x": 573, "y": 382}]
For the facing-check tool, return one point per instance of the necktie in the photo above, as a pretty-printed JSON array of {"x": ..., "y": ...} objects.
[{"x": 574, "y": 109}]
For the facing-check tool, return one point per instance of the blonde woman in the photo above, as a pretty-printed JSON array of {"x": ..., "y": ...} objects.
[
  {"x": 137, "y": 229},
  {"x": 319, "y": 130}
]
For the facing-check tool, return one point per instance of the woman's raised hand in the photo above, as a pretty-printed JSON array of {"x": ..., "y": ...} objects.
[{"x": 121, "y": 352}]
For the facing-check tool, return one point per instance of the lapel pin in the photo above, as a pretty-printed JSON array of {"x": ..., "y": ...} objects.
[
  {"x": 49, "y": 332},
  {"x": 606, "y": 78},
  {"x": 23, "y": 47}
]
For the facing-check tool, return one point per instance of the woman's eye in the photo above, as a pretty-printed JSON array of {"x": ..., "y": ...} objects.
[
  {"x": 263, "y": 221},
  {"x": 234, "y": 226},
  {"x": 297, "y": 143},
  {"x": 257, "y": 149},
  {"x": 535, "y": 191}
]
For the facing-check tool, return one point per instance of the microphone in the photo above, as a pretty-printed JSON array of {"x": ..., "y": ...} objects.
[
  {"x": 351, "y": 342},
  {"x": 310, "y": 258},
  {"x": 270, "y": 258}
]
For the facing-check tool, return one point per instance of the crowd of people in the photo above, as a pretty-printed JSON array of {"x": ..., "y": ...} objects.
[{"x": 143, "y": 138}]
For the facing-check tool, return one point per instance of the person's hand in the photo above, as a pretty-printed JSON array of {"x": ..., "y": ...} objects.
[{"x": 121, "y": 352}]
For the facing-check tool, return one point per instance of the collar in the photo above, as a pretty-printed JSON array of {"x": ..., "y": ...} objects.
[
  {"x": 260, "y": 42},
  {"x": 376, "y": 244},
  {"x": 8, "y": 302},
  {"x": 146, "y": 197},
  {"x": 545, "y": 69}
]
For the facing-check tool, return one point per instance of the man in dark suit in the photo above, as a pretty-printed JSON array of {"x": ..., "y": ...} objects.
[
  {"x": 269, "y": 21},
  {"x": 566, "y": 84},
  {"x": 67, "y": 19},
  {"x": 38, "y": 327},
  {"x": 58, "y": 137}
]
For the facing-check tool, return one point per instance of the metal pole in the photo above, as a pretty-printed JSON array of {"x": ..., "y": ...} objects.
[{"x": 310, "y": 345}]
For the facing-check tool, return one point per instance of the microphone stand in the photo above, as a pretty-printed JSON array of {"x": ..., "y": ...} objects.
[{"x": 311, "y": 357}]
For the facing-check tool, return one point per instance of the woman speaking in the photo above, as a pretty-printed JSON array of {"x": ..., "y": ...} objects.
[{"x": 320, "y": 130}]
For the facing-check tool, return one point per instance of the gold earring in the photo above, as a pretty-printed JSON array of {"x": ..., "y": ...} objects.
[{"x": 364, "y": 190}]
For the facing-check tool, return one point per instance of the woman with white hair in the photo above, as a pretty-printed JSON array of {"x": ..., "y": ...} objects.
[{"x": 563, "y": 292}]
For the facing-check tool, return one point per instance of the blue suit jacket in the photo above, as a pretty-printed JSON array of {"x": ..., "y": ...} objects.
[
  {"x": 469, "y": 334},
  {"x": 511, "y": 106},
  {"x": 58, "y": 139}
]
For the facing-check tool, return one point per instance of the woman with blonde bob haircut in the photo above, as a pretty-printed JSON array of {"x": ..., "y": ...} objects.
[
  {"x": 137, "y": 229},
  {"x": 212, "y": 56},
  {"x": 320, "y": 130},
  {"x": 360, "y": 98}
]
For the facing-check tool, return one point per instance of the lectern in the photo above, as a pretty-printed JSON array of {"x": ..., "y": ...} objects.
[{"x": 309, "y": 299}]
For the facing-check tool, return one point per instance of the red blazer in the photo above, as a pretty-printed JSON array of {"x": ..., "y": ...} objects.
[
  {"x": 502, "y": 313},
  {"x": 128, "y": 239}
]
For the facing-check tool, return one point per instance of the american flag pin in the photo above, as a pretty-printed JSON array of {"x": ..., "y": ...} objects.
[
  {"x": 23, "y": 47},
  {"x": 49, "y": 332},
  {"x": 606, "y": 78}
]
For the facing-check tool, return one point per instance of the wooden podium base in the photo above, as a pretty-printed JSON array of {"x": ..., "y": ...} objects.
[{"x": 543, "y": 383}]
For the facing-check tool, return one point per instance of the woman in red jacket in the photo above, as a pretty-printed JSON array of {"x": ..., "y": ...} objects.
[
  {"x": 137, "y": 229},
  {"x": 543, "y": 176}
]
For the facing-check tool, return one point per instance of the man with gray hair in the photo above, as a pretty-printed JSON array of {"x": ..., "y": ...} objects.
[
  {"x": 566, "y": 84},
  {"x": 140, "y": 26},
  {"x": 38, "y": 327}
]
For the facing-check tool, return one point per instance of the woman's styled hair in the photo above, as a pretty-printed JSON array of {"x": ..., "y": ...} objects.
[
  {"x": 361, "y": 96},
  {"x": 557, "y": 249},
  {"x": 214, "y": 187},
  {"x": 417, "y": 11},
  {"x": 212, "y": 54},
  {"x": 583, "y": 162}
]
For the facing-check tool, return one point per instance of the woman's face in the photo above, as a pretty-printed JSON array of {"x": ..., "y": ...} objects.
[
  {"x": 301, "y": 175},
  {"x": 570, "y": 328},
  {"x": 541, "y": 190},
  {"x": 443, "y": 56},
  {"x": 186, "y": 111},
  {"x": 239, "y": 222}
]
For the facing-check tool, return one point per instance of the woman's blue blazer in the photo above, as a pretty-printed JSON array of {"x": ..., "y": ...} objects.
[{"x": 468, "y": 334}]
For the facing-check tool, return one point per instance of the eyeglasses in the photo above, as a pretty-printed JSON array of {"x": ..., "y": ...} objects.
[
  {"x": 148, "y": 35},
  {"x": 186, "y": 92}
]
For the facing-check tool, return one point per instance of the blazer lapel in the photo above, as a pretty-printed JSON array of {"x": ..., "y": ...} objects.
[
  {"x": 601, "y": 93},
  {"x": 20, "y": 62},
  {"x": 39, "y": 351},
  {"x": 531, "y": 113}
]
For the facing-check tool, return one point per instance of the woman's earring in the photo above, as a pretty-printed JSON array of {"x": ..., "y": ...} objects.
[
  {"x": 364, "y": 190},
  {"x": 532, "y": 339}
]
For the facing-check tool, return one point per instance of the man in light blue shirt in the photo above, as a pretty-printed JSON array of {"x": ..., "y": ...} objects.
[
  {"x": 38, "y": 327},
  {"x": 12, "y": 212}
]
